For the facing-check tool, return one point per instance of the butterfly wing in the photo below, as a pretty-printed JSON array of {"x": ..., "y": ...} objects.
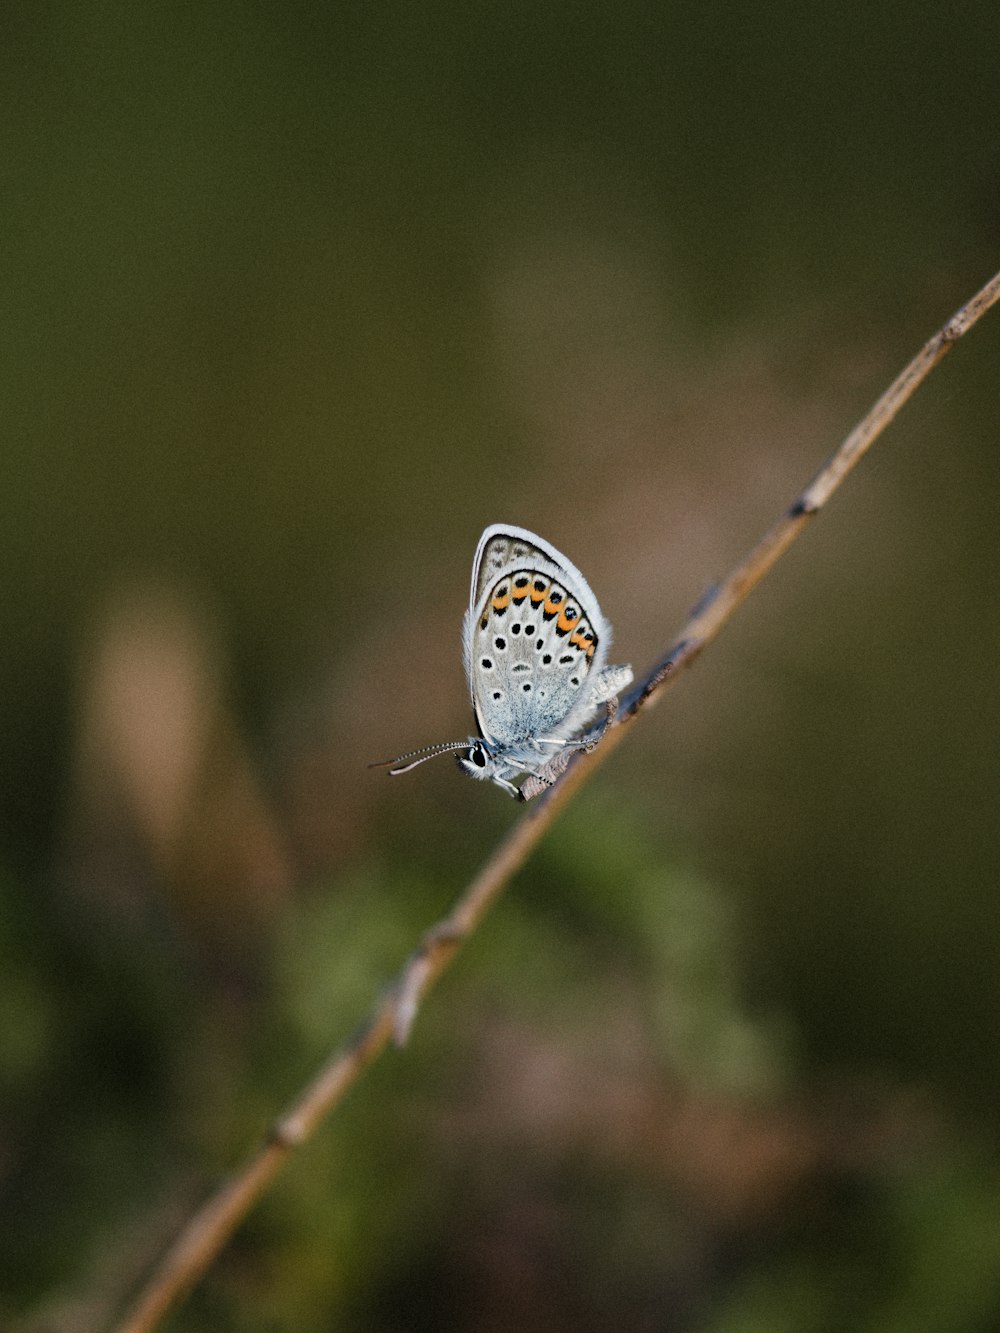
[{"x": 534, "y": 638}]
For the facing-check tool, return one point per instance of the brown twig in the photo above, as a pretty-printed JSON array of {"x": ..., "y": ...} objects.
[{"x": 212, "y": 1225}]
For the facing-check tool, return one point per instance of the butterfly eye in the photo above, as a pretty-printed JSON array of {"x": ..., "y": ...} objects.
[{"x": 477, "y": 756}]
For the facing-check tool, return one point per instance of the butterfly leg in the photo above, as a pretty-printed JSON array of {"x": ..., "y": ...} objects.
[{"x": 546, "y": 774}]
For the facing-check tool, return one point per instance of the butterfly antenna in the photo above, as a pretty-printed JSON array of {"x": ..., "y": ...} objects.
[{"x": 417, "y": 757}]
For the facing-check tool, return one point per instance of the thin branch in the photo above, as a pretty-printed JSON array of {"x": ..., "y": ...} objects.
[{"x": 215, "y": 1221}]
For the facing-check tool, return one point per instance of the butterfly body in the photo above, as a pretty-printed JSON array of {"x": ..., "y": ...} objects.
[{"x": 535, "y": 647}]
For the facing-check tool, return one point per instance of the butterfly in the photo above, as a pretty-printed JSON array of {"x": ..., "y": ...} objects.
[{"x": 535, "y": 646}]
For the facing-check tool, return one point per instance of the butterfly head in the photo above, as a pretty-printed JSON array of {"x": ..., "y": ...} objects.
[
  {"x": 482, "y": 761},
  {"x": 476, "y": 756},
  {"x": 478, "y": 761}
]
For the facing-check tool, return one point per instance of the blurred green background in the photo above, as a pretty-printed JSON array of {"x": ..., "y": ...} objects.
[{"x": 296, "y": 300}]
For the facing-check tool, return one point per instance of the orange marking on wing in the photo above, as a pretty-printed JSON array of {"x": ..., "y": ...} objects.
[
  {"x": 579, "y": 640},
  {"x": 566, "y": 622},
  {"x": 590, "y": 650},
  {"x": 500, "y": 603},
  {"x": 537, "y": 594}
]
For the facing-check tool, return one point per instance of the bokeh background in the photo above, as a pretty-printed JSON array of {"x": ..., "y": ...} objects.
[{"x": 296, "y": 299}]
